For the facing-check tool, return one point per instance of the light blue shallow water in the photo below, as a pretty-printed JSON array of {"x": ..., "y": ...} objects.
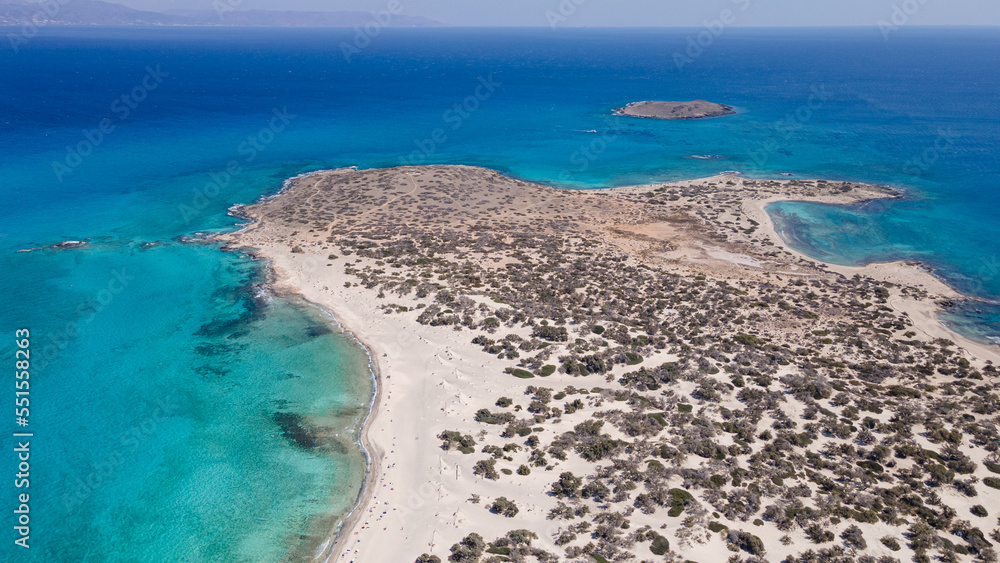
[
  {"x": 164, "y": 398},
  {"x": 224, "y": 471}
]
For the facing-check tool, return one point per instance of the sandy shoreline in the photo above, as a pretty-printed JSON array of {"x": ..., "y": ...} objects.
[
  {"x": 380, "y": 423},
  {"x": 373, "y": 456},
  {"x": 924, "y": 315},
  {"x": 427, "y": 496}
]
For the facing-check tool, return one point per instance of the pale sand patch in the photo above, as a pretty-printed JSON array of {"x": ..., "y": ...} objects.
[{"x": 738, "y": 259}]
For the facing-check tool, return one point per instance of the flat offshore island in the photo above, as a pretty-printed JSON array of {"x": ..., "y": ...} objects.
[
  {"x": 636, "y": 374},
  {"x": 697, "y": 109}
]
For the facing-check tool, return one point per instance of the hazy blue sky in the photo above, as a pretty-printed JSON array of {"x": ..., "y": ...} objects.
[{"x": 641, "y": 12}]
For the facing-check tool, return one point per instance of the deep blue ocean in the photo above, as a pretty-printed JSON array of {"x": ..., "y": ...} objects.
[{"x": 180, "y": 413}]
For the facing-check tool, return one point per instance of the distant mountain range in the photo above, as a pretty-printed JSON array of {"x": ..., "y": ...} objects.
[{"x": 96, "y": 12}]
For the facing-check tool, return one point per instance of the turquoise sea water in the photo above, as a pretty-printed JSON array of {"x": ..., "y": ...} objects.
[{"x": 213, "y": 422}]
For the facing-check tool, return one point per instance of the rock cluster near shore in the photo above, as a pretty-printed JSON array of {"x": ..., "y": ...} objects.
[
  {"x": 697, "y": 109},
  {"x": 637, "y": 374}
]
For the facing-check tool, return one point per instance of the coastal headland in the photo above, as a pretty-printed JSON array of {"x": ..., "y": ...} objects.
[
  {"x": 642, "y": 373},
  {"x": 696, "y": 109}
]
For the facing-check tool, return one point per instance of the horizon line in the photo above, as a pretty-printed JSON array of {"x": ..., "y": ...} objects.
[{"x": 558, "y": 28}]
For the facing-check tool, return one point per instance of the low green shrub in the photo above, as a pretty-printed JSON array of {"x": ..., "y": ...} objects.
[
  {"x": 660, "y": 545},
  {"x": 717, "y": 527},
  {"x": 678, "y": 498},
  {"x": 891, "y": 543}
]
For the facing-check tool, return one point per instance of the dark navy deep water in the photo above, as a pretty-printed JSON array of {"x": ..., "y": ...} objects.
[{"x": 168, "y": 381}]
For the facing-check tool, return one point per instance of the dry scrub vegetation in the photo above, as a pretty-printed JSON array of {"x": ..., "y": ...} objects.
[{"x": 723, "y": 391}]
